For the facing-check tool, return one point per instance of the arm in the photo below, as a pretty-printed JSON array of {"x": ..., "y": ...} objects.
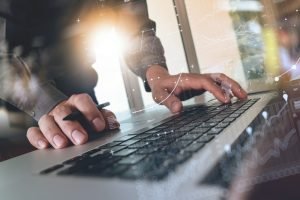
[
  {"x": 143, "y": 47},
  {"x": 49, "y": 106},
  {"x": 145, "y": 57}
]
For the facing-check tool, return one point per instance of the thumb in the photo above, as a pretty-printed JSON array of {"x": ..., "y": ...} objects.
[{"x": 172, "y": 102}]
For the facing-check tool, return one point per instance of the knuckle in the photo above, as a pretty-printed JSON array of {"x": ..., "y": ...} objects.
[
  {"x": 222, "y": 75},
  {"x": 43, "y": 119},
  {"x": 30, "y": 131},
  {"x": 78, "y": 98},
  {"x": 59, "y": 109},
  {"x": 108, "y": 113},
  {"x": 156, "y": 97},
  {"x": 178, "y": 91}
]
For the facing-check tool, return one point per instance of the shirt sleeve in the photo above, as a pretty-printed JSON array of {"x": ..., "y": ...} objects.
[
  {"x": 35, "y": 100},
  {"x": 143, "y": 47},
  {"x": 48, "y": 97}
]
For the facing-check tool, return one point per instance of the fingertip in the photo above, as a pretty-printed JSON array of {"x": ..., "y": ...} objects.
[
  {"x": 113, "y": 123},
  {"x": 242, "y": 94},
  {"x": 59, "y": 142},
  {"x": 79, "y": 137},
  {"x": 176, "y": 107},
  {"x": 99, "y": 124},
  {"x": 41, "y": 144},
  {"x": 226, "y": 100}
]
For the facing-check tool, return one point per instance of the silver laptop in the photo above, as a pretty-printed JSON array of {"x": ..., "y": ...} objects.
[
  {"x": 155, "y": 155},
  {"x": 166, "y": 159}
]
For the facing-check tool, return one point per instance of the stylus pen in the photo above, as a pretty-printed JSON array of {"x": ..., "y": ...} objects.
[{"x": 77, "y": 114}]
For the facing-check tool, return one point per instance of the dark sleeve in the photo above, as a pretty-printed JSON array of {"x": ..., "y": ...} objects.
[
  {"x": 47, "y": 97},
  {"x": 143, "y": 47},
  {"x": 25, "y": 91},
  {"x": 30, "y": 95},
  {"x": 5, "y": 8}
]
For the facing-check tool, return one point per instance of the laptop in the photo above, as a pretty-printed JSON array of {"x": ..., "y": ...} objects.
[
  {"x": 168, "y": 158},
  {"x": 155, "y": 155}
]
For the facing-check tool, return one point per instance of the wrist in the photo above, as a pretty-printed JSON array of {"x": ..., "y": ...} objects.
[{"x": 155, "y": 73}]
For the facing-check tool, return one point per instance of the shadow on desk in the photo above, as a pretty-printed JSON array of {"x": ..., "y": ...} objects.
[
  {"x": 13, "y": 147},
  {"x": 13, "y": 128}
]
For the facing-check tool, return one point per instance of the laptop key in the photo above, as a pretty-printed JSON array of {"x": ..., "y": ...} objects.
[
  {"x": 223, "y": 124},
  {"x": 102, "y": 153},
  {"x": 199, "y": 131},
  {"x": 173, "y": 135},
  {"x": 214, "y": 131},
  {"x": 194, "y": 147},
  {"x": 162, "y": 143},
  {"x": 234, "y": 115},
  {"x": 117, "y": 148},
  {"x": 190, "y": 137},
  {"x": 131, "y": 160},
  {"x": 205, "y": 139},
  {"x": 229, "y": 119},
  {"x": 109, "y": 145},
  {"x": 140, "y": 144},
  {"x": 142, "y": 136},
  {"x": 124, "y": 138},
  {"x": 129, "y": 142},
  {"x": 153, "y": 138},
  {"x": 207, "y": 125},
  {"x": 124, "y": 152},
  {"x": 146, "y": 151}
]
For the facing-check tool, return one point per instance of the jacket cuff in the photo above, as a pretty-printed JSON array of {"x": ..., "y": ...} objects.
[{"x": 48, "y": 97}]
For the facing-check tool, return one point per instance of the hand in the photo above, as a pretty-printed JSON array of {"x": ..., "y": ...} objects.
[
  {"x": 54, "y": 131},
  {"x": 170, "y": 90}
]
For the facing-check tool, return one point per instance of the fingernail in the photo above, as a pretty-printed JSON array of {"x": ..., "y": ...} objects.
[
  {"x": 42, "y": 144},
  {"x": 175, "y": 107},
  {"x": 58, "y": 141},
  {"x": 226, "y": 98},
  {"x": 98, "y": 124},
  {"x": 78, "y": 137},
  {"x": 113, "y": 123}
]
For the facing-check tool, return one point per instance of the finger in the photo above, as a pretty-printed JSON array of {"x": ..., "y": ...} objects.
[
  {"x": 52, "y": 132},
  {"x": 200, "y": 82},
  {"x": 88, "y": 108},
  {"x": 72, "y": 129},
  {"x": 162, "y": 96},
  {"x": 111, "y": 120},
  {"x": 230, "y": 84},
  {"x": 36, "y": 138}
]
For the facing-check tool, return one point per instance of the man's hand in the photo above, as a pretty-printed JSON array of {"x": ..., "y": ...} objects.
[
  {"x": 54, "y": 131},
  {"x": 170, "y": 90}
]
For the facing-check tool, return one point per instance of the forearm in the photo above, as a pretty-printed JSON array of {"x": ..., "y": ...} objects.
[{"x": 144, "y": 48}]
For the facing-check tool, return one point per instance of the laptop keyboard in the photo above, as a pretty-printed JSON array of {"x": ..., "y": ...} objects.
[{"x": 154, "y": 153}]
